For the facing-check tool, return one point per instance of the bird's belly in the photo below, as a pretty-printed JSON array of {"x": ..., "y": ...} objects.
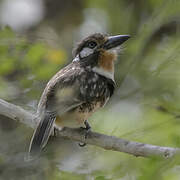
[{"x": 77, "y": 116}]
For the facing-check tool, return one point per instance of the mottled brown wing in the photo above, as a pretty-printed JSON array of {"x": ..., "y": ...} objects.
[{"x": 60, "y": 95}]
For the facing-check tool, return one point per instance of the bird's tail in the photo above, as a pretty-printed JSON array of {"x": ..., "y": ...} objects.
[{"x": 41, "y": 135}]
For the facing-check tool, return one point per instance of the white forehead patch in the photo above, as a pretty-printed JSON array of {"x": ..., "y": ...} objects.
[{"x": 86, "y": 52}]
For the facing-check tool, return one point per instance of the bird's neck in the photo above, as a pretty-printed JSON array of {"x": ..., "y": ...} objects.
[{"x": 105, "y": 66}]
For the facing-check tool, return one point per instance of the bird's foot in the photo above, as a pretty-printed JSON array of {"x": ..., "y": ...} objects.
[{"x": 87, "y": 129}]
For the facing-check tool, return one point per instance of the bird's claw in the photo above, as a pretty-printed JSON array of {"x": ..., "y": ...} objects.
[{"x": 87, "y": 129}]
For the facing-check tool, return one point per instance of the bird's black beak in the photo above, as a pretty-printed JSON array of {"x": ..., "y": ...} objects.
[{"x": 115, "y": 41}]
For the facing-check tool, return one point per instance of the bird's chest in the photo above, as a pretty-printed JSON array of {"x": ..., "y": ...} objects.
[
  {"x": 88, "y": 108},
  {"x": 76, "y": 117},
  {"x": 93, "y": 88},
  {"x": 94, "y": 92}
]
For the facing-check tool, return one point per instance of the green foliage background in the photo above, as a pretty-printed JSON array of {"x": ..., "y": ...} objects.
[{"x": 146, "y": 103}]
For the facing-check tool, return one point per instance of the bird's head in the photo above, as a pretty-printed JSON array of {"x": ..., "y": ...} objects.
[{"x": 100, "y": 51}]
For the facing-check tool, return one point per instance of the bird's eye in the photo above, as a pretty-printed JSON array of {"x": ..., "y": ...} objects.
[{"x": 92, "y": 44}]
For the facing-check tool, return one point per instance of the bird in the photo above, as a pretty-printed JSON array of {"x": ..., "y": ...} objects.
[{"x": 75, "y": 92}]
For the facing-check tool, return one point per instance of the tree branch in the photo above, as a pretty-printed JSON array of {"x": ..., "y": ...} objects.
[
  {"x": 107, "y": 142},
  {"x": 17, "y": 113}
]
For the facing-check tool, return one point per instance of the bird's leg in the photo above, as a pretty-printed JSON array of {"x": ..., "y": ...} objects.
[
  {"x": 55, "y": 130},
  {"x": 88, "y": 129}
]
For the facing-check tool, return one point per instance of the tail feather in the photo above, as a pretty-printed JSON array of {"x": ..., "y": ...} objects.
[{"x": 41, "y": 134}]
